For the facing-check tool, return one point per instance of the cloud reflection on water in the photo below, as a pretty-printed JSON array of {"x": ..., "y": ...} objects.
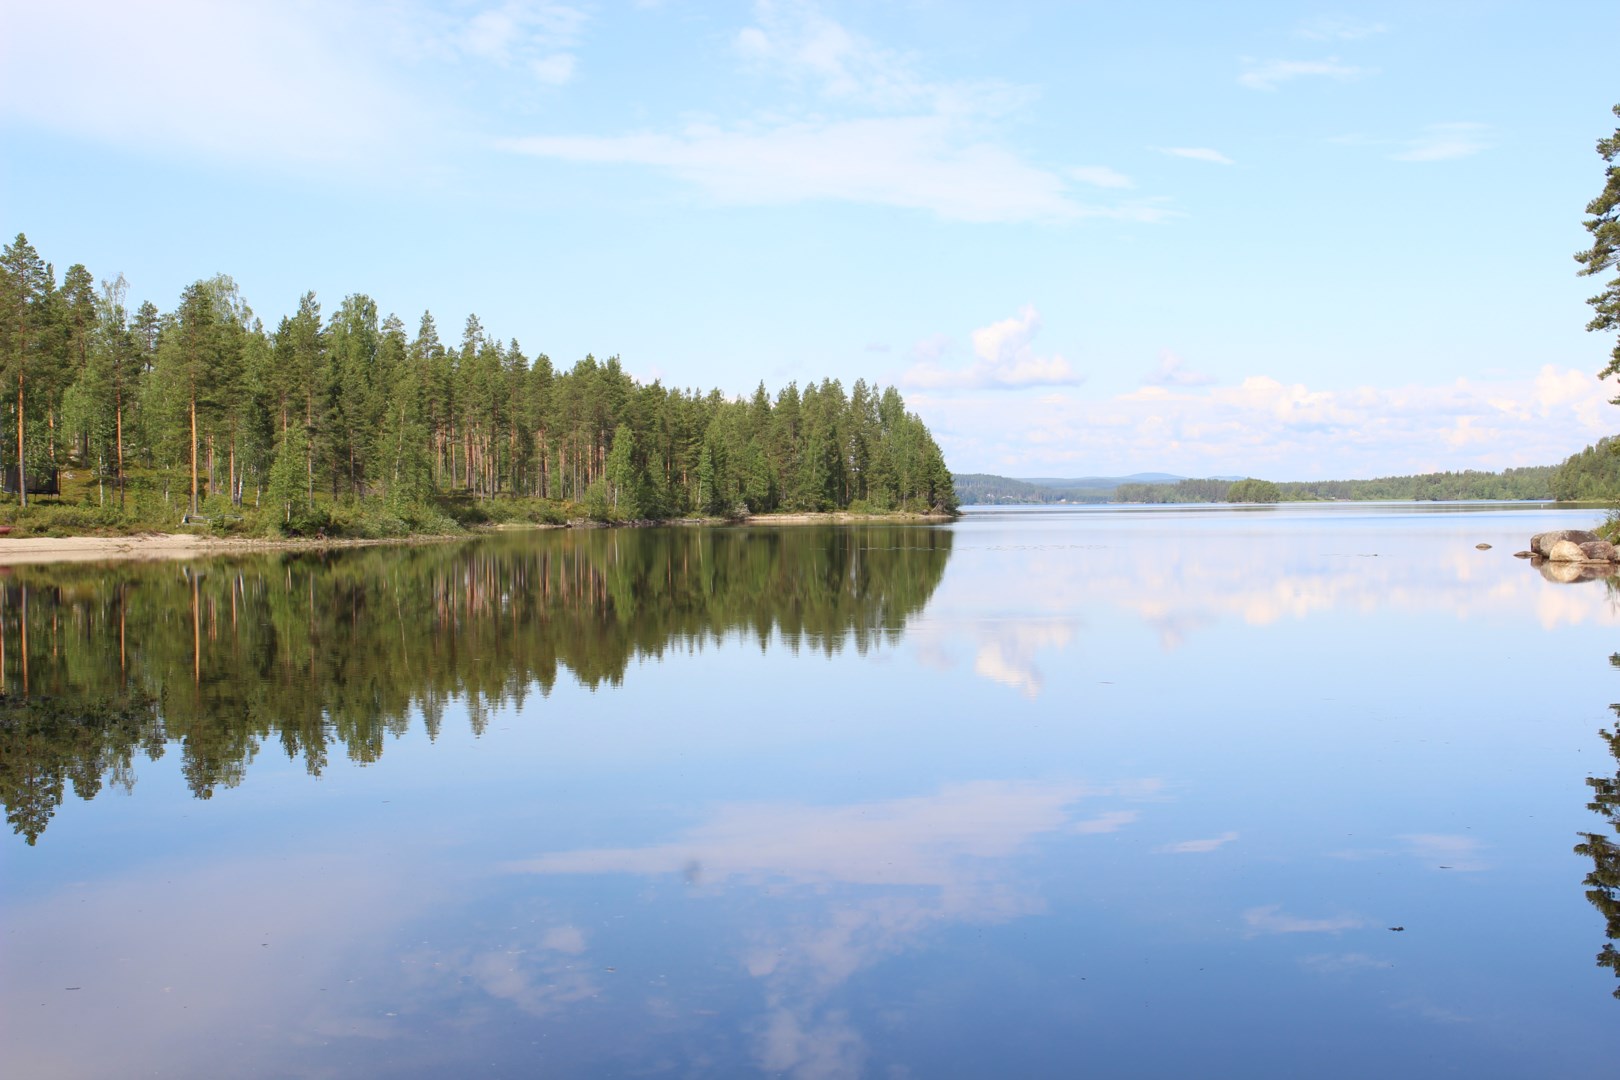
[
  {"x": 878, "y": 878},
  {"x": 1261, "y": 571}
]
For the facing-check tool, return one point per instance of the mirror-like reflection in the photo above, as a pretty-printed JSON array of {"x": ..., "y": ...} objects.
[
  {"x": 1121, "y": 774},
  {"x": 104, "y": 665},
  {"x": 1603, "y": 882}
]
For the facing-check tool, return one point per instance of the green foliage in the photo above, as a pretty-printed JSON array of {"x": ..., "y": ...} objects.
[
  {"x": 323, "y": 413},
  {"x": 1604, "y": 254},
  {"x": 1591, "y": 475},
  {"x": 1253, "y": 491},
  {"x": 1527, "y": 483}
]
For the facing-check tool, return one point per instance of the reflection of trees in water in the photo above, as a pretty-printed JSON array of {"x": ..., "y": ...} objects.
[
  {"x": 98, "y": 664},
  {"x": 1603, "y": 883}
]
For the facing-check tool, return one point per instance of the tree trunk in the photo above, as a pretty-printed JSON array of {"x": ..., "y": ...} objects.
[
  {"x": 22, "y": 467},
  {"x": 194, "y": 452}
]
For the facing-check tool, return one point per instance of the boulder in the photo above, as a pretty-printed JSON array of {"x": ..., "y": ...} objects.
[
  {"x": 1542, "y": 543},
  {"x": 1565, "y": 551},
  {"x": 1600, "y": 551},
  {"x": 1482, "y": 547},
  {"x": 1524, "y": 555}
]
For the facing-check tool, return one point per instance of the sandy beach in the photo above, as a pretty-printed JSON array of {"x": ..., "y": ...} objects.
[
  {"x": 59, "y": 549},
  {"x": 18, "y": 551}
]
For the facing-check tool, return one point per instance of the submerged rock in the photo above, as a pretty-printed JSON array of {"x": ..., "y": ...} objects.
[
  {"x": 1524, "y": 554},
  {"x": 1482, "y": 547}
]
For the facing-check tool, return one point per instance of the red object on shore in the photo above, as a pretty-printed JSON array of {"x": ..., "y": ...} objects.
[{"x": 5, "y": 530}]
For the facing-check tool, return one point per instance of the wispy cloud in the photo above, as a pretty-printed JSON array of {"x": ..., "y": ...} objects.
[
  {"x": 939, "y": 839},
  {"x": 1101, "y": 176},
  {"x": 1005, "y": 358},
  {"x": 1110, "y": 822},
  {"x": 860, "y": 123},
  {"x": 530, "y": 34},
  {"x": 240, "y": 82},
  {"x": 1197, "y": 153},
  {"x": 1199, "y": 847},
  {"x": 1446, "y": 142},
  {"x": 918, "y": 162},
  {"x": 1172, "y": 371},
  {"x": 1271, "y": 919},
  {"x": 1270, "y": 74},
  {"x": 1450, "y": 851}
]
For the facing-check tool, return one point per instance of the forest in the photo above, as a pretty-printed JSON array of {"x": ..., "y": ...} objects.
[
  {"x": 1592, "y": 475},
  {"x": 347, "y": 421}
]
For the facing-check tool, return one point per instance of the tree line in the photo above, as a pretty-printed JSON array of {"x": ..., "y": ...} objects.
[
  {"x": 1533, "y": 482},
  {"x": 203, "y": 408}
]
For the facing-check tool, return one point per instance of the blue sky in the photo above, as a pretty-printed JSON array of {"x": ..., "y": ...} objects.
[{"x": 1285, "y": 239}]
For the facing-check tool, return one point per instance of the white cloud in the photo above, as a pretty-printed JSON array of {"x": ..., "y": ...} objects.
[
  {"x": 1451, "y": 851},
  {"x": 1199, "y": 847},
  {"x": 917, "y": 162},
  {"x": 1446, "y": 142},
  {"x": 1197, "y": 153},
  {"x": 875, "y": 130},
  {"x": 1282, "y": 431},
  {"x": 1101, "y": 176},
  {"x": 350, "y": 85},
  {"x": 1005, "y": 359},
  {"x": 1270, "y": 74},
  {"x": 1007, "y": 650},
  {"x": 795, "y": 41},
  {"x": 519, "y": 31},
  {"x": 250, "y": 81},
  {"x": 1110, "y": 822},
  {"x": 1333, "y": 29},
  {"x": 553, "y": 70},
  {"x": 1173, "y": 372},
  {"x": 933, "y": 840},
  {"x": 1271, "y": 919}
]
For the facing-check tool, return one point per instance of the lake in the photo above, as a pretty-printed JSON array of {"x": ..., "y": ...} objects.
[{"x": 1124, "y": 792}]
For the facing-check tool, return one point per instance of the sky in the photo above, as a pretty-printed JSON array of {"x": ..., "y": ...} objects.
[{"x": 1286, "y": 240}]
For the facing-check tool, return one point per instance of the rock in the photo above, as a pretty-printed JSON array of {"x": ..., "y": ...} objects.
[
  {"x": 1541, "y": 543},
  {"x": 1482, "y": 547},
  {"x": 1565, "y": 551},
  {"x": 1600, "y": 551},
  {"x": 1523, "y": 554}
]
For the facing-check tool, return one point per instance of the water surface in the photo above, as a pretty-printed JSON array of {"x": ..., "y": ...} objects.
[{"x": 1272, "y": 792}]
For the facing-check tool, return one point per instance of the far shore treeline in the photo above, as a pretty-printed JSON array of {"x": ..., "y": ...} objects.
[
  {"x": 349, "y": 421},
  {"x": 1591, "y": 475}
]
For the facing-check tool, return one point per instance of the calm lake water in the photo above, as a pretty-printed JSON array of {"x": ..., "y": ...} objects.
[{"x": 1109, "y": 792}]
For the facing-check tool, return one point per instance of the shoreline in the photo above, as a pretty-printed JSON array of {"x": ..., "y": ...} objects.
[
  {"x": 32, "y": 550},
  {"x": 35, "y": 550}
]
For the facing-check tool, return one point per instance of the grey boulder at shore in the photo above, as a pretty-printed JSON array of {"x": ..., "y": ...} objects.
[{"x": 1573, "y": 546}]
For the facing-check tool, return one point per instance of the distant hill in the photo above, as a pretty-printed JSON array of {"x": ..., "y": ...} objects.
[
  {"x": 1100, "y": 483},
  {"x": 1535, "y": 482}
]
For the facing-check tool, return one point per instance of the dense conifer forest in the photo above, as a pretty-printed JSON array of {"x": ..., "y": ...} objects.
[{"x": 349, "y": 419}]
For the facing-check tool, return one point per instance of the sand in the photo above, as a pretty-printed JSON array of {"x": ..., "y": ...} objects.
[{"x": 59, "y": 549}]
